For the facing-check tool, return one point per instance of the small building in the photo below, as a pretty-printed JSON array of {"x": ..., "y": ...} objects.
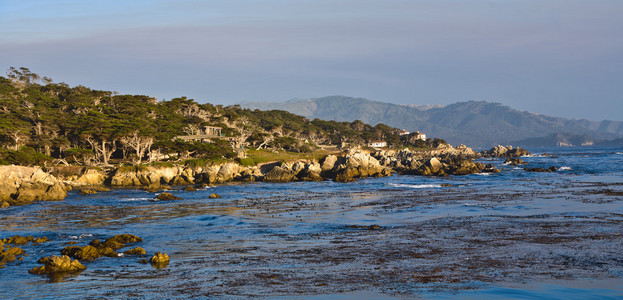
[
  {"x": 402, "y": 132},
  {"x": 421, "y": 136},
  {"x": 377, "y": 144}
]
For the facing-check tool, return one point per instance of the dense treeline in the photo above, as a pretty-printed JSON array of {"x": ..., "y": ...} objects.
[{"x": 42, "y": 120}]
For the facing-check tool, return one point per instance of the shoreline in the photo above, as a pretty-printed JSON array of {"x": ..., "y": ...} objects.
[{"x": 21, "y": 185}]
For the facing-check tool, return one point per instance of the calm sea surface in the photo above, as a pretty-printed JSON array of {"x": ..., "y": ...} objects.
[{"x": 515, "y": 234}]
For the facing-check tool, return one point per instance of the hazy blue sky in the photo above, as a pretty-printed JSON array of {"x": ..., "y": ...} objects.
[{"x": 557, "y": 57}]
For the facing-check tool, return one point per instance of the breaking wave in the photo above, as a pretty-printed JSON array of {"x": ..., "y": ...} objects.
[{"x": 414, "y": 186}]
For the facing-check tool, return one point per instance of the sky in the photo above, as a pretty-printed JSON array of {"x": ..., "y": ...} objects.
[{"x": 557, "y": 57}]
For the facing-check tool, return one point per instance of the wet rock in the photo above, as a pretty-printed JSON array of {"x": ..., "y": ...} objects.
[
  {"x": 167, "y": 196},
  {"x": 122, "y": 239},
  {"x": 9, "y": 254},
  {"x": 153, "y": 188},
  {"x": 539, "y": 169},
  {"x": 214, "y": 195},
  {"x": 82, "y": 253},
  {"x": 369, "y": 227},
  {"x": 40, "y": 240},
  {"x": 514, "y": 161},
  {"x": 190, "y": 188},
  {"x": 4, "y": 204},
  {"x": 92, "y": 190},
  {"x": 446, "y": 185},
  {"x": 489, "y": 168},
  {"x": 136, "y": 251},
  {"x": 159, "y": 260},
  {"x": 58, "y": 264},
  {"x": 19, "y": 240}
]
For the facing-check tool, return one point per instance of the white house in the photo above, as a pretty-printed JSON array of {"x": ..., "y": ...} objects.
[{"x": 377, "y": 144}]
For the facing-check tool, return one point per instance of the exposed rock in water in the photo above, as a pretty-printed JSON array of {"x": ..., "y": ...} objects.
[
  {"x": 87, "y": 252},
  {"x": 213, "y": 196},
  {"x": 136, "y": 251},
  {"x": 91, "y": 190},
  {"x": 489, "y": 168},
  {"x": 501, "y": 151},
  {"x": 550, "y": 169},
  {"x": 514, "y": 161},
  {"x": 190, "y": 188},
  {"x": 9, "y": 254},
  {"x": 97, "y": 249},
  {"x": 159, "y": 260},
  {"x": 58, "y": 264},
  {"x": 167, "y": 196},
  {"x": 23, "y": 240},
  {"x": 153, "y": 188}
]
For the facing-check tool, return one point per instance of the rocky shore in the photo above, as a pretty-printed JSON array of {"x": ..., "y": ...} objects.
[{"x": 22, "y": 185}]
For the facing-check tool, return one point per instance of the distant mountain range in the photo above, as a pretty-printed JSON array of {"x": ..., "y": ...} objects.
[{"x": 474, "y": 123}]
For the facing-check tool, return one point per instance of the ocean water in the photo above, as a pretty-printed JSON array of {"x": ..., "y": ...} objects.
[{"x": 515, "y": 234}]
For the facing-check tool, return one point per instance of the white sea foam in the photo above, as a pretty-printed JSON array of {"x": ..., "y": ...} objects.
[
  {"x": 483, "y": 174},
  {"x": 415, "y": 186},
  {"x": 134, "y": 199},
  {"x": 619, "y": 153},
  {"x": 84, "y": 235},
  {"x": 564, "y": 169}
]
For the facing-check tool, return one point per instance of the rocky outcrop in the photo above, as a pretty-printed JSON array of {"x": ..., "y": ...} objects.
[
  {"x": 539, "y": 169},
  {"x": 501, "y": 151},
  {"x": 96, "y": 249},
  {"x": 22, "y": 185},
  {"x": 514, "y": 161},
  {"x": 167, "y": 197},
  {"x": 355, "y": 164},
  {"x": 58, "y": 264},
  {"x": 159, "y": 258}
]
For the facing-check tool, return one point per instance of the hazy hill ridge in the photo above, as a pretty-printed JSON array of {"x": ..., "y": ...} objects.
[{"x": 475, "y": 123}]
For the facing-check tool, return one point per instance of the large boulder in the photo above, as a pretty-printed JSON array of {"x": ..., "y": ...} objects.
[
  {"x": 280, "y": 174},
  {"x": 357, "y": 164},
  {"x": 58, "y": 264}
]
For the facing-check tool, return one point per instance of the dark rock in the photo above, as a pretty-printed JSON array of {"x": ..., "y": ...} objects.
[
  {"x": 190, "y": 188},
  {"x": 539, "y": 169},
  {"x": 153, "y": 188},
  {"x": 489, "y": 168},
  {"x": 167, "y": 196},
  {"x": 213, "y": 196},
  {"x": 446, "y": 185},
  {"x": 514, "y": 161}
]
